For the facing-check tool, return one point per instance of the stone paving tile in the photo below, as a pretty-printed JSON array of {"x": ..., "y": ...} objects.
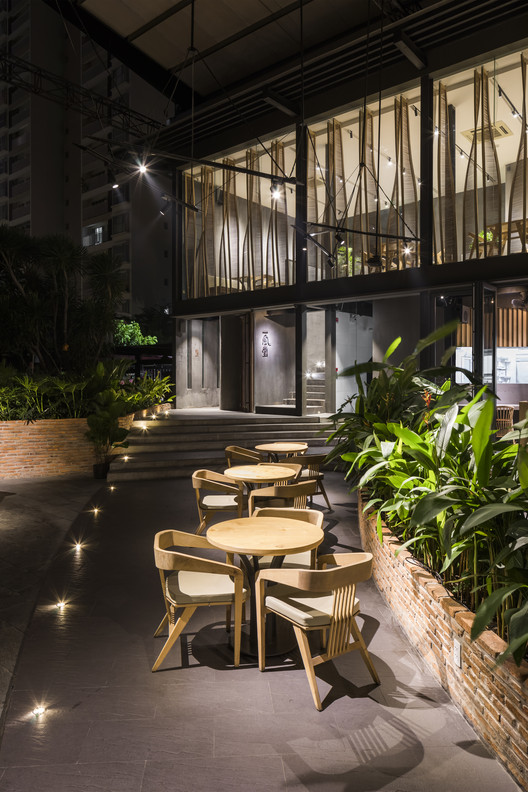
[
  {"x": 198, "y": 723},
  {"x": 108, "y": 777}
]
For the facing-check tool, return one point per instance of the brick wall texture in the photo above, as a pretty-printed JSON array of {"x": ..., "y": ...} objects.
[
  {"x": 54, "y": 447},
  {"x": 493, "y": 698}
]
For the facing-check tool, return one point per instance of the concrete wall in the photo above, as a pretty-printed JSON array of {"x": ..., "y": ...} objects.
[
  {"x": 196, "y": 342},
  {"x": 274, "y": 373},
  {"x": 353, "y": 344},
  {"x": 315, "y": 337},
  {"x": 393, "y": 317}
]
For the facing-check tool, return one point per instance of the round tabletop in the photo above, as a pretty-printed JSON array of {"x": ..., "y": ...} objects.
[
  {"x": 282, "y": 448},
  {"x": 259, "y": 474},
  {"x": 260, "y": 536}
]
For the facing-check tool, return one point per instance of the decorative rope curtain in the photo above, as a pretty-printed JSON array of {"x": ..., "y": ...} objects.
[
  {"x": 335, "y": 193},
  {"x": 190, "y": 237},
  {"x": 313, "y": 253},
  {"x": 481, "y": 221},
  {"x": 277, "y": 269},
  {"x": 252, "y": 257},
  {"x": 229, "y": 263},
  {"x": 445, "y": 225},
  {"x": 517, "y": 214},
  {"x": 207, "y": 281},
  {"x": 366, "y": 210},
  {"x": 403, "y": 211}
]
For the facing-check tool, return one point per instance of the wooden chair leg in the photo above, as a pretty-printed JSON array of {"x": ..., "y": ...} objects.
[
  {"x": 261, "y": 635},
  {"x": 323, "y": 493},
  {"x": 174, "y": 635},
  {"x": 356, "y": 632},
  {"x": 162, "y": 624},
  {"x": 304, "y": 648},
  {"x": 238, "y": 631}
]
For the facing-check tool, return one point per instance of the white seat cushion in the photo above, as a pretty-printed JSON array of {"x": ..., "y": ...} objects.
[
  {"x": 307, "y": 474},
  {"x": 218, "y": 502},
  {"x": 305, "y": 608},
  {"x": 194, "y": 587}
]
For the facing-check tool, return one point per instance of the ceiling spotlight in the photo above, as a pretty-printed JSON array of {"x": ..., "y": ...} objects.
[
  {"x": 339, "y": 239},
  {"x": 437, "y": 131},
  {"x": 38, "y": 711},
  {"x": 375, "y": 261},
  {"x": 113, "y": 181},
  {"x": 406, "y": 250},
  {"x": 275, "y": 189},
  {"x": 389, "y": 160},
  {"x": 164, "y": 207},
  {"x": 142, "y": 168},
  {"x": 331, "y": 261}
]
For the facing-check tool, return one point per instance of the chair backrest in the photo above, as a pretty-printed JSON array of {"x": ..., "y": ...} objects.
[
  {"x": 504, "y": 419},
  {"x": 295, "y": 466},
  {"x": 296, "y": 493},
  {"x": 172, "y": 559},
  {"x": 216, "y": 482},
  {"x": 311, "y": 516},
  {"x": 310, "y": 462},
  {"x": 235, "y": 453}
]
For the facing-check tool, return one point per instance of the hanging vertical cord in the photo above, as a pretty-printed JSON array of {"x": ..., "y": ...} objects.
[
  {"x": 377, "y": 254},
  {"x": 192, "y": 53}
]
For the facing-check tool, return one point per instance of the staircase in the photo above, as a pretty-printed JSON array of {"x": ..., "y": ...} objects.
[
  {"x": 175, "y": 445},
  {"x": 315, "y": 394}
]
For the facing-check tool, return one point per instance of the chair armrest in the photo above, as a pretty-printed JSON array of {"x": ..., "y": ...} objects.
[{"x": 341, "y": 559}]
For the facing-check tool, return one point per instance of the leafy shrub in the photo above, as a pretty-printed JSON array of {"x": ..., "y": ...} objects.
[{"x": 432, "y": 469}]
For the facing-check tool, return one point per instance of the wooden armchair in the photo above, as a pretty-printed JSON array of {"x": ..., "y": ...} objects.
[
  {"x": 190, "y": 582},
  {"x": 503, "y": 419},
  {"x": 216, "y": 493},
  {"x": 324, "y": 600},
  {"x": 241, "y": 456},
  {"x": 311, "y": 472},
  {"x": 282, "y": 495},
  {"x": 305, "y": 560}
]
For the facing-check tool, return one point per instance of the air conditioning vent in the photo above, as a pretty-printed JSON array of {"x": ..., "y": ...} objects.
[{"x": 498, "y": 130}]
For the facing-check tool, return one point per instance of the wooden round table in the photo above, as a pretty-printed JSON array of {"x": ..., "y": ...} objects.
[
  {"x": 275, "y": 449},
  {"x": 259, "y": 474},
  {"x": 252, "y": 537}
]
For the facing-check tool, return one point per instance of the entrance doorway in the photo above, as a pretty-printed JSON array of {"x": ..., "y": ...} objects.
[{"x": 236, "y": 362}]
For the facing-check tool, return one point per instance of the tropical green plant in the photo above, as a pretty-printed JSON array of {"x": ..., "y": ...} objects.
[
  {"x": 129, "y": 334},
  {"x": 454, "y": 494},
  {"x": 48, "y": 323},
  {"x": 104, "y": 430}
]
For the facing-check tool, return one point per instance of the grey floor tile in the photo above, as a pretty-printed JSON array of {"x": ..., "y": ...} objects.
[
  {"x": 159, "y": 739},
  {"x": 233, "y": 774},
  {"x": 108, "y": 777},
  {"x": 41, "y": 740}
]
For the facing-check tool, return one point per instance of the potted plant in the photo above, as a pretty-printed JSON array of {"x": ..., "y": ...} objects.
[{"x": 104, "y": 430}]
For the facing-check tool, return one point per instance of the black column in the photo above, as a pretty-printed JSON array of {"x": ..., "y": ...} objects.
[
  {"x": 300, "y": 206},
  {"x": 300, "y": 359}
]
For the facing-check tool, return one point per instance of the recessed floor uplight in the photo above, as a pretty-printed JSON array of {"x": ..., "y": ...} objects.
[
  {"x": 60, "y": 605},
  {"x": 142, "y": 168},
  {"x": 78, "y": 546},
  {"x": 96, "y": 511},
  {"x": 111, "y": 488},
  {"x": 38, "y": 711},
  {"x": 126, "y": 458}
]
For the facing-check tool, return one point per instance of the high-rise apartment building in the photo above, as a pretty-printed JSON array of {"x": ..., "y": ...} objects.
[{"x": 54, "y": 175}]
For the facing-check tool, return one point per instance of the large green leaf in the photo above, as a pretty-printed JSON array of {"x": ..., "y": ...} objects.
[
  {"x": 392, "y": 348},
  {"x": 436, "y": 335},
  {"x": 429, "y": 507},
  {"x": 362, "y": 368},
  {"x": 487, "y": 609},
  {"x": 522, "y": 466},
  {"x": 446, "y": 428},
  {"x": 486, "y": 513},
  {"x": 481, "y": 441}
]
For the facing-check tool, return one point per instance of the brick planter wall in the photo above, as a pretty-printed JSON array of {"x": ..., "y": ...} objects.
[
  {"x": 52, "y": 447},
  {"x": 493, "y": 698}
]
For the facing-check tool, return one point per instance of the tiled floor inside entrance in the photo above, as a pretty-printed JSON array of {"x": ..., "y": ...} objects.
[{"x": 199, "y": 724}]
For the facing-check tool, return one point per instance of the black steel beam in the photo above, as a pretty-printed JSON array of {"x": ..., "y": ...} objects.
[
  {"x": 147, "y": 68},
  {"x": 494, "y": 270}
]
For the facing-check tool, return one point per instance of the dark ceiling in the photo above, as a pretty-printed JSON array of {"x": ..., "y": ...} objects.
[{"x": 253, "y": 71}]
